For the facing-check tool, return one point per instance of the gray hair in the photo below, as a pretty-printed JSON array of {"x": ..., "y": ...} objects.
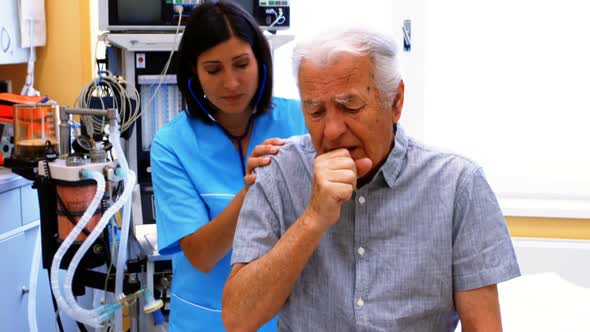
[{"x": 383, "y": 51}]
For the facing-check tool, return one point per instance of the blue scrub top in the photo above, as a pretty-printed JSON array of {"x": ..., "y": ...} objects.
[{"x": 196, "y": 172}]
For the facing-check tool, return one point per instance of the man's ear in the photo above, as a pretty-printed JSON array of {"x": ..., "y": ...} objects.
[{"x": 398, "y": 102}]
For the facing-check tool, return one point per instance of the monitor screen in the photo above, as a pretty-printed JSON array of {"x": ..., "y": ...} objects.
[{"x": 154, "y": 15}]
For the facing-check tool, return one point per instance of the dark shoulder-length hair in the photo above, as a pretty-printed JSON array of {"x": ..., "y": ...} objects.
[{"x": 209, "y": 25}]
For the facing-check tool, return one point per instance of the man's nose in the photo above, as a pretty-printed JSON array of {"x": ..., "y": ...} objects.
[{"x": 335, "y": 125}]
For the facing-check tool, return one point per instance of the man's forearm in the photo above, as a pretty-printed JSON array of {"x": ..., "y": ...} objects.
[
  {"x": 255, "y": 292},
  {"x": 479, "y": 309}
]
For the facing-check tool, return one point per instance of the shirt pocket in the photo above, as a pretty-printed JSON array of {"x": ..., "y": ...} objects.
[
  {"x": 413, "y": 280},
  {"x": 216, "y": 203}
]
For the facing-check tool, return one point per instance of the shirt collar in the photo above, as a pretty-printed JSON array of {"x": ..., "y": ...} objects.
[{"x": 393, "y": 165}]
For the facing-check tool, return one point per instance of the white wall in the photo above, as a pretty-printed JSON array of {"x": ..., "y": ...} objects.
[
  {"x": 309, "y": 17},
  {"x": 568, "y": 258},
  {"x": 507, "y": 83}
]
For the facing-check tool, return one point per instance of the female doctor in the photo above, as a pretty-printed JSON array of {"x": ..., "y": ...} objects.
[{"x": 199, "y": 160}]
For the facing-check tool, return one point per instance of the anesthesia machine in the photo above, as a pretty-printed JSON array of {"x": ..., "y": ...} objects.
[{"x": 84, "y": 197}]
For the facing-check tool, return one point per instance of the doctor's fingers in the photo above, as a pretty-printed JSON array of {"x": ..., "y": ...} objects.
[
  {"x": 268, "y": 147},
  {"x": 273, "y": 141},
  {"x": 254, "y": 162},
  {"x": 264, "y": 149},
  {"x": 249, "y": 179}
]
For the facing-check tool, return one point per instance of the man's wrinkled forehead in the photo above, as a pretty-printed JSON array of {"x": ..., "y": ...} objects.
[
  {"x": 346, "y": 62},
  {"x": 345, "y": 99},
  {"x": 340, "y": 80}
]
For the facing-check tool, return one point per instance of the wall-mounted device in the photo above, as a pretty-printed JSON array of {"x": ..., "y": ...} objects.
[
  {"x": 10, "y": 43},
  {"x": 270, "y": 14},
  {"x": 159, "y": 15}
]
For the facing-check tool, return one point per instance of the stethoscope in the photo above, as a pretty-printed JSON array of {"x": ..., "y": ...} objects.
[{"x": 238, "y": 138}]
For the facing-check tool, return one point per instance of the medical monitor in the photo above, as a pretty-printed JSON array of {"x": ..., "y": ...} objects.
[{"x": 159, "y": 15}]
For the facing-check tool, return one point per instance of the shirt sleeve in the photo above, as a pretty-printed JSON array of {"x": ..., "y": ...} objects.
[
  {"x": 482, "y": 248},
  {"x": 258, "y": 228},
  {"x": 179, "y": 207}
]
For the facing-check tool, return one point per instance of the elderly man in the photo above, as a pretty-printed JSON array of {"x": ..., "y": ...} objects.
[{"x": 357, "y": 227}]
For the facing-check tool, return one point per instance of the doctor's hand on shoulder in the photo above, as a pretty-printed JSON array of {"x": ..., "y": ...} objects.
[{"x": 259, "y": 157}]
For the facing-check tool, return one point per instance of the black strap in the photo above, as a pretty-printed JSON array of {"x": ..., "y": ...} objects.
[{"x": 239, "y": 139}]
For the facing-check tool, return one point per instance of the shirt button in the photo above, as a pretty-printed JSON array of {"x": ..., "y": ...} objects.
[
  {"x": 362, "y": 199},
  {"x": 360, "y": 302},
  {"x": 361, "y": 251}
]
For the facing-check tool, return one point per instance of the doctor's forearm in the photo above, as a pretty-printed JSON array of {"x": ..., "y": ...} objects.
[
  {"x": 210, "y": 243},
  {"x": 255, "y": 292}
]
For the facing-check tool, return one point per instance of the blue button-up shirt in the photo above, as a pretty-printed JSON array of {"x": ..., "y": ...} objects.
[{"x": 427, "y": 225}]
